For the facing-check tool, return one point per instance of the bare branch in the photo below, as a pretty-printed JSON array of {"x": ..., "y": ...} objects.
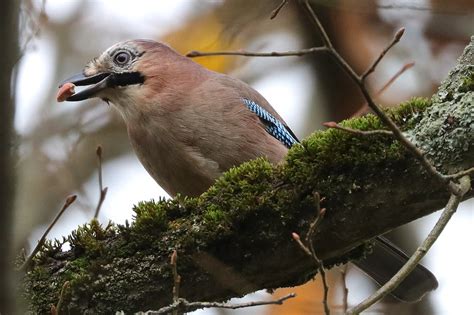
[
  {"x": 396, "y": 39},
  {"x": 301, "y": 52},
  {"x": 278, "y": 9},
  {"x": 61, "y": 296},
  {"x": 319, "y": 27},
  {"x": 469, "y": 171},
  {"x": 319, "y": 267},
  {"x": 102, "y": 191},
  {"x": 345, "y": 293},
  {"x": 181, "y": 305},
  {"x": 332, "y": 124},
  {"x": 451, "y": 207},
  {"x": 364, "y": 108},
  {"x": 176, "y": 278},
  {"x": 184, "y": 306},
  {"x": 444, "y": 9},
  {"x": 67, "y": 203},
  {"x": 309, "y": 250},
  {"x": 297, "y": 239}
]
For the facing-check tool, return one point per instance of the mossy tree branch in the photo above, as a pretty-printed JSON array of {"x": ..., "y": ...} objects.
[{"x": 236, "y": 237}]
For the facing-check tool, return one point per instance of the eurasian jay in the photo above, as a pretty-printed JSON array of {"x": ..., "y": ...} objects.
[{"x": 174, "y": 109}]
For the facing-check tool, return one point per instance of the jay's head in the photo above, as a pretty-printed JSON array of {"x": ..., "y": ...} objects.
[{"x": 127, "y": 74}]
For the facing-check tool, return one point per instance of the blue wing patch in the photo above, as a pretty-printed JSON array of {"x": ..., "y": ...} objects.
[{"x": 272, "y": 125}]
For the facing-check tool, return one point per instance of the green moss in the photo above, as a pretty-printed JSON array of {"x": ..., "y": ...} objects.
[
  {"x": 39, "y": 288},
  {"x": 248, "y": 177},
  {"x": 88, "y": 239},
  {"x": 335, "y": 149},
  {"x": 237, "y": 192},
  {"x": 408, "y": 114},
  {"x": 214, "y": 214},
  {"x": 152, "y": 216}
]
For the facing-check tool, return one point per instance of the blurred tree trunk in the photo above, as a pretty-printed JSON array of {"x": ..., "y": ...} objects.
[{"x": 9, "y": 38}]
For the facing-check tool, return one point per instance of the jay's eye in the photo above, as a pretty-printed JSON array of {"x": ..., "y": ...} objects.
[{"x": 122, "y": 58}]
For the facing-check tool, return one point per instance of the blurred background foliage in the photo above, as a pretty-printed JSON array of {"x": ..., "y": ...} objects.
[{"x": 56, "y": 142}]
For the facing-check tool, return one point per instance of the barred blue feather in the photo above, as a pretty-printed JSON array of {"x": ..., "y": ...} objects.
[{"x": 273, "y": 126}]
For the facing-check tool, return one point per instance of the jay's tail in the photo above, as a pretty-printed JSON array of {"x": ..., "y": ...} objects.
[{"x": 385, "y": 260}]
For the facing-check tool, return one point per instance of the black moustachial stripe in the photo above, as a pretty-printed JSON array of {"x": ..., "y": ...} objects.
[
  {"x": 273, "y": 126},
  {"x": 125, "y": 78}
]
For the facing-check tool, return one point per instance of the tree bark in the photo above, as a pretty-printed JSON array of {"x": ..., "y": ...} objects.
[
  {"x": 236, "y": 238},
  {"x": 10, "y": 55}
]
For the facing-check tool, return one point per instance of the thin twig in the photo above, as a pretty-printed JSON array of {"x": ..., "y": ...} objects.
[
  {"x": 102, "y": 190},
  {"x": 319, "y": 27},
  {"x": 61, "y": 296},
  {"x": 395, "y": 39},
  {"x": 444, "y": 10},
  {"x": 322, "y": 272},
  {"x": 332, "y": 124},
  {"x": 278, "y": 9},
  {"x": 364, "y": 108},
  {"x": 345, "y": 290},
  {"x": 309, "y": 250},
  {"x": 183, "y": 305},
  {"x": 320, "y": 212},
  {"x": 319, "y": 266},
  {"x": 457, "y": 175},
  {"x": 297, "y": 239},
  {"x": 386, "y": 5},
  {"x": 319, "y": 216},
  {"x": 450, "y": 209},
  {"x": 412, "y": 148},
  {"x": 67, "y": 203},
  {"x": 301, "y": 52},
  {"x": 176, "y": 278}
]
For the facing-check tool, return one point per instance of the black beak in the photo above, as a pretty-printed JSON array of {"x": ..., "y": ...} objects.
[{"x": 101, "y": 81}]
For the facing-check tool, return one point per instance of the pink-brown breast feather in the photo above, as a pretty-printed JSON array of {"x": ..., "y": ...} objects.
[
  {"x": 176, "y": 166},
  {"x": 226, "y": 129}
]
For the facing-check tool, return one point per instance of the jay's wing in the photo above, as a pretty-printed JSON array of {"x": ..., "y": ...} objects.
[
  {"x": 257, "y": 104},
  {"x": 273, "y": 125}
]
